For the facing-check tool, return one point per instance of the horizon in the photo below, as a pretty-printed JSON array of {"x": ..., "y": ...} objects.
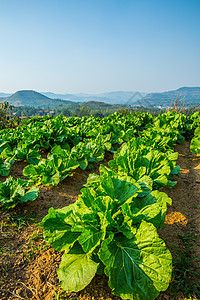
[
  {"x": 92, "y": 47},
  {"x": 104, "y": 92}
]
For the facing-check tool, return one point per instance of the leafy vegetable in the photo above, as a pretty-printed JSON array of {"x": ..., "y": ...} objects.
[
  {"x": 88, "y": 152},
  {"x": 195, "y": 142},
  {"x": 138, "y": 268},
  {"x": 145, "y": 161},
  {"x": 5, "y": 166},
  {"x": 111, "y": 226},
  {"x": 52, "y": 170},
  {"x": 17, "y": 191}
]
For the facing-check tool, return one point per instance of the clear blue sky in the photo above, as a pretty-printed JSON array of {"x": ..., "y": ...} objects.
[{"x": 94, "y": 46}]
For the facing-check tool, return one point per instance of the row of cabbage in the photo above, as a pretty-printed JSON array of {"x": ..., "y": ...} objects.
[
  {"x": 69, "y": 142},
  {"x": 74, "y": 142},
  {"x": 88, "y": 138},
  {"x": 112, "y": 227},
  {"x": 195, "y": 142}
]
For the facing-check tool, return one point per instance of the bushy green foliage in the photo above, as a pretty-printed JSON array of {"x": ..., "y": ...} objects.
[
  {"x": 7, "y": 118},
  {"x": 195, "y": 142},
  {"x": 52, "y": 170},
  {"x": 13, "y": 192},
  {"x": 5, "y": 166},
  {"x": 109, "y": 229},
  {"x": 112, "y": 228}
]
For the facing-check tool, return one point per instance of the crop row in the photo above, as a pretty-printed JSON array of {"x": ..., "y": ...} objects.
[
  {"x": 82, "y": 142},
  {"x": 112, "y": 228}
]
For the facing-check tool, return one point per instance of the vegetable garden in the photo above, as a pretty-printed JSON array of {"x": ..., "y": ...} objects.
[{"x": 106, "y": 185}]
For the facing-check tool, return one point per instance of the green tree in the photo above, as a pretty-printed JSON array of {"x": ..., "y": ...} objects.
[{"x": 7, "y": 117}]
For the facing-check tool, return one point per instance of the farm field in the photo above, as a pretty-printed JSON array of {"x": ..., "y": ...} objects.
[{"x": 29, "y": 264}]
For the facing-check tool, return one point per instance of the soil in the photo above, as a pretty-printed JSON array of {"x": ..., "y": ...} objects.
[{"x": 28, "y": 265}]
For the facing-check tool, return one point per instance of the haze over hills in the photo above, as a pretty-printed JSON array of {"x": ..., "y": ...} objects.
[
  {"x": 66, "y": 96},
  {"x": 118, "y": 97},
  {"x": 5, "y": 95},
  {"x": 191, "y": 95}
]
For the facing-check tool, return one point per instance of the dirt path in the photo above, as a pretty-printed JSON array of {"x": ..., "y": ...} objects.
[
  {"x": 181, "y": 231},
  {"x": 28, "y": 266}
]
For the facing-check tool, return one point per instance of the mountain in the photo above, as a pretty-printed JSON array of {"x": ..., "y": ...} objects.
[
  {"x": 189, "y": 95},
  {"x": 33, "y": 99},
  {"x": 3, "y": 95},
  {"x": 123, "y": 97},
  {"x": 118, "y": 97},
  {"x": 69, "y": 97}
]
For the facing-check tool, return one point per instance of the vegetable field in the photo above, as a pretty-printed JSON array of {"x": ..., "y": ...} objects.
[{"x": 101, "y": 208}]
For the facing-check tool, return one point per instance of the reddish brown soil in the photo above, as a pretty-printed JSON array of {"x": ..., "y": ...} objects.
[
  {"x": 28, "y": 266},
  {"x": 182, "y": 225}
]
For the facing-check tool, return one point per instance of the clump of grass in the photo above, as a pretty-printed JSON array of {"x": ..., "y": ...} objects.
[
  {"x": 185, "y": 277},
  {"x": 176, "y": 105},
  {"x": 20, "y": 219},
  {"x": 62, "y": 296}
]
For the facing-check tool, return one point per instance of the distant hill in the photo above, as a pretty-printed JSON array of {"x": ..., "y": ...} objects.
[
  {"x": 69, "y": 97},
  {"x": 29, "y": 98},
  {"x": 118, "y": 97},
  {"x": 189, "y": 95},
  {"x": 96, "y": 105},
  {"x": 3, "y": 95},
  {"x": 32, "y": 99}
]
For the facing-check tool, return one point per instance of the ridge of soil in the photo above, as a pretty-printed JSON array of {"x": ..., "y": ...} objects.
[{"x": 28, "y": 266}]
